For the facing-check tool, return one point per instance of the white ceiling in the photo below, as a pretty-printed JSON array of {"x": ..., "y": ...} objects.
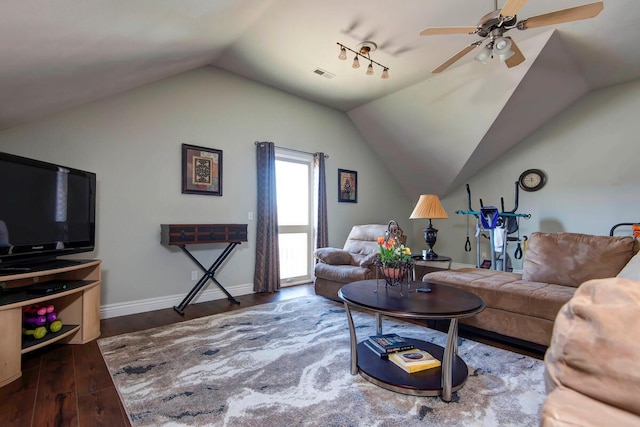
[{"x": 62, "y": 53}]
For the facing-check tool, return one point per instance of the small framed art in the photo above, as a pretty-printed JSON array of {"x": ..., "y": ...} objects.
[
  {"x": 201, "y": 170},
  {"x": 347, "y": 186}
]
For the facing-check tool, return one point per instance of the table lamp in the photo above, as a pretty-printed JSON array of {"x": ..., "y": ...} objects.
[{"x": 429, "y": 207}]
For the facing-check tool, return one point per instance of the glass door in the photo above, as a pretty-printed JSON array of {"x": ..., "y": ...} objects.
[{"x": 294, "y": 178}]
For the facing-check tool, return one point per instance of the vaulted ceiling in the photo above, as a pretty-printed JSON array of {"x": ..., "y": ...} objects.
[{"x": 438, "y": 129}]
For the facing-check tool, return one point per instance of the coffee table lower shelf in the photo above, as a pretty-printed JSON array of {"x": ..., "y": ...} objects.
[{"x": 385, "y": 374}]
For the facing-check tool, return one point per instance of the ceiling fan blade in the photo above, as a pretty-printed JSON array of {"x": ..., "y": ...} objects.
[
  {"x": 517, "y": 58},
  {"x": 566, "y": 15},
  {"x": 446, "y": 64},
  {"x": 437, "y": 31},
  {"x": 512, "y": 7}
]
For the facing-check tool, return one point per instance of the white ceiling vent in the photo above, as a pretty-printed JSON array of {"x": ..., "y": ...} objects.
[{"x": 324, "y": 73}]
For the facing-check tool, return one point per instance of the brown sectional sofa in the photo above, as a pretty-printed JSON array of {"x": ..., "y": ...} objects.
[{"x": 524, "y": 306}]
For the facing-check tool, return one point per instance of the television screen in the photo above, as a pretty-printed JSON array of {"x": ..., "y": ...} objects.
[{"x": 46, "y": 210}]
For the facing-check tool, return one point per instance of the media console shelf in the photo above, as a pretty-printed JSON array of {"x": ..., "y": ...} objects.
[{"x": 77, "y": 305}]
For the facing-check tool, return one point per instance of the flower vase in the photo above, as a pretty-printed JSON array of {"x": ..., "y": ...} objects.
[{"x": 394, "y": 273}]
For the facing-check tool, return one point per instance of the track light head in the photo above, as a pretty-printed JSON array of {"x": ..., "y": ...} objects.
[
  {"x": 370, "y": 69},
  {"x": 343, "y": 53},
  {"x": 356, "y": 63}
]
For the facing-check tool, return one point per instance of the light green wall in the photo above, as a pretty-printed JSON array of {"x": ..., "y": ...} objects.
[
  {"x": 590, "y": 153},
  {"x": 133, "y": 142}
]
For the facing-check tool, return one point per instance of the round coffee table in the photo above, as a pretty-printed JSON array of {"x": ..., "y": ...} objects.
[{"x": 410, "y": 302}]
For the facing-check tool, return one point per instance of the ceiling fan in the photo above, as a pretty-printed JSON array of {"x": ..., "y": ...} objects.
[{"x": 493, "y": 25}]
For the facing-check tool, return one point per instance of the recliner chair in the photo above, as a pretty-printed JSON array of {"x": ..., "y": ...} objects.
[{"x": 337, "y": 267}]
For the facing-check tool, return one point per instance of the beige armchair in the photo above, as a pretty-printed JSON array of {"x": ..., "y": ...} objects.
[{"x": 337, "y": 267}]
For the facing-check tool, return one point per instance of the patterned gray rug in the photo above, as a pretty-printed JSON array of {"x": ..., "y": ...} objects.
[{"x": 287, "y": 364}]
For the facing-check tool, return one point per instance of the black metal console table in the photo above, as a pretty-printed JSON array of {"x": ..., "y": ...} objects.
[{"x": 192, "y": 234}]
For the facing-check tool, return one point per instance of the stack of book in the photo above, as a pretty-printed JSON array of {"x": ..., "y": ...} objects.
[
  {"x": 414, "y": 360},
  {"x": 384, "y": 345}
]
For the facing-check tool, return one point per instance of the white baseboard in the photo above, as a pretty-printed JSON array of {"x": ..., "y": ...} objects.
[{"x": 141, "y": 306}]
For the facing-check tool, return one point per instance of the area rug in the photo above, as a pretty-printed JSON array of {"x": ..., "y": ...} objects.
[{"x": 287, "y": 364}]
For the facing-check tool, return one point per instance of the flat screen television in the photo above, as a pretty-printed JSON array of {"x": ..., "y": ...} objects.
[{"x": 46, "y": 210}]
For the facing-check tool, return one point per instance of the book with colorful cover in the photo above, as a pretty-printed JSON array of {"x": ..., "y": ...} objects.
[
  {"x": 414, "y": 360},
  {"x": 389, "y": 343},
  {"x": 376, "y": 350}
]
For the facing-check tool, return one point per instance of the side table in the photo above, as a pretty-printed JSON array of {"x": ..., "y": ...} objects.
[{"x": 425, "y": 263}]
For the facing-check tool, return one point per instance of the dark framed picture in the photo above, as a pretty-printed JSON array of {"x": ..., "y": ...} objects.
[
  {"x": 201, "y": 170},
  {"x": 347, "y": 186}
]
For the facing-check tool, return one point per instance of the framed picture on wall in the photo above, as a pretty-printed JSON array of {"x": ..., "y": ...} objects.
[
  {"x": 347, "y": 186},
  {"x": 201, "y": 170}
]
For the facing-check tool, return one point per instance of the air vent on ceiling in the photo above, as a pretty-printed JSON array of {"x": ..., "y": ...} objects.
[{"x": 324, "y": 73}]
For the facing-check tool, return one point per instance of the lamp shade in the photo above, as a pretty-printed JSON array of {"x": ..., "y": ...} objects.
[
  {"x": 502, "y": 48},
  {"x": 429, "y": 207}
]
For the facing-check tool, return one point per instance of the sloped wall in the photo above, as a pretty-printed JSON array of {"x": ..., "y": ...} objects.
[{"x": 590, "y": 154}]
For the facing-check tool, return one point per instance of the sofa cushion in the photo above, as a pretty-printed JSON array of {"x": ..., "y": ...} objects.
[
  {"x": 570, "y": 258},
  {"x": 342, "y": 274},
  {"x": 506, "y": 291},
  {"x": 595, "y": 344},
  {"x": 566, "y": 408},
  {"x": 632, "y": 269},
  {"x": 333, "y": 256}
]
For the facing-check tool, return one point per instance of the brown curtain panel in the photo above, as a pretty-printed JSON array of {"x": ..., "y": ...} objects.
[
  {"x": 266, "y": 276},
  {"x": 322, "y": 233}
]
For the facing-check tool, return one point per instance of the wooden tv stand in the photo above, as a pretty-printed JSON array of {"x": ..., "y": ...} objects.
[{"x": 77, "y": 306}]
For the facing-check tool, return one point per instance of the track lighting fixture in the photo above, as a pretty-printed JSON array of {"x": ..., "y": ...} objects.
[{"x": 364, "y": 50}]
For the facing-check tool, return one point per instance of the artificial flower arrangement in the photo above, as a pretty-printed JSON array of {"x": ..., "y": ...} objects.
[
  {"x": 393, "y": 252},
  {"x": 395, "y": 260}
]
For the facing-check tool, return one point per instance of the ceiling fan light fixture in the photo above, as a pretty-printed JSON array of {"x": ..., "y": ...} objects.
[
  {"x": 343, "y": 53},
  {"x": 502, "y": 48},
  {"x": 385, "y": 74},
  {"x": 485, "y": 55},
  {"x": 370, "y": 69}
]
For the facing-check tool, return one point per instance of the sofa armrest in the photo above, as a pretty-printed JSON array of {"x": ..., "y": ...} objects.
[
  {"x": 333, "y": 256},
  {"x": 367, "y": 261}
]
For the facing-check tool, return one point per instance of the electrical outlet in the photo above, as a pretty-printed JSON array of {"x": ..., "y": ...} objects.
[
  {"x": 250, "y": 216},
  {"x": 484, "y": 255},
  {"x": 194, "y": 275}
]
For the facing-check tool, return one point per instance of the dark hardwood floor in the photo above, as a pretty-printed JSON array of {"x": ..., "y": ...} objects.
[{"x": 69, "y": 385}]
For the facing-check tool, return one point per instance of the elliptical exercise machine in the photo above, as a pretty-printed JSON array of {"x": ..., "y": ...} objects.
[{"x": 490, "y": 219}]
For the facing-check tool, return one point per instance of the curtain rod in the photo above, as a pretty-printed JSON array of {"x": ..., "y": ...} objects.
[{"x": 326, "y": 156}]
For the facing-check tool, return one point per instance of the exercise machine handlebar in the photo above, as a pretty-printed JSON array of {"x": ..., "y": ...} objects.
[{"x": 505, "y": 214}]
